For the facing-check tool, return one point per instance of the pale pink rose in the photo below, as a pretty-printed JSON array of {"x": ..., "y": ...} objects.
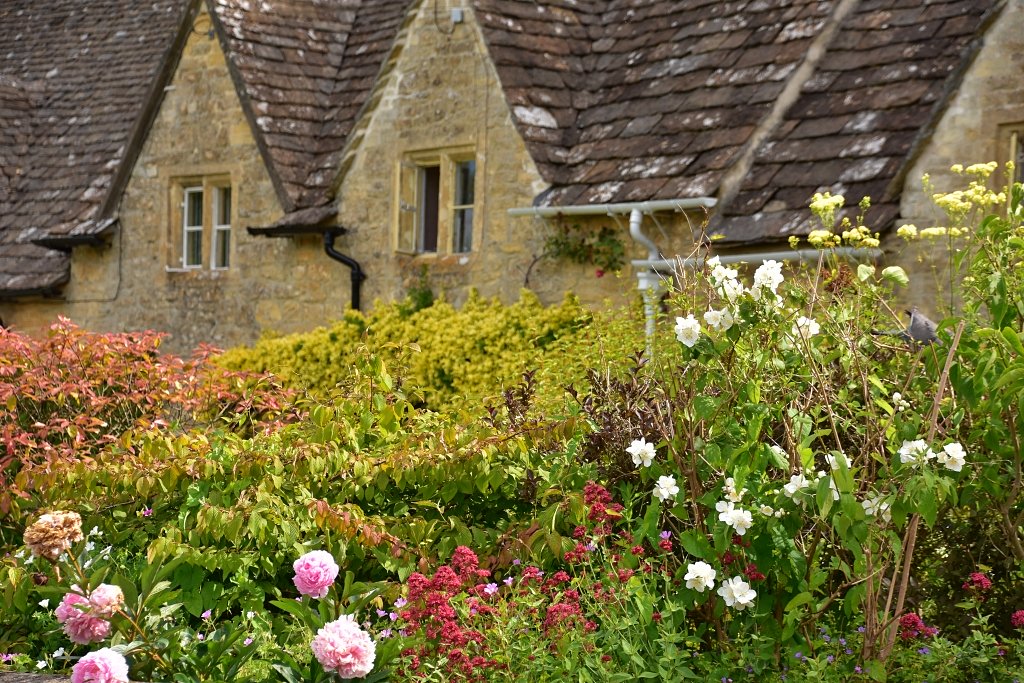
[
  {"x": 341, "y": 646},
  {"x": 80, "y": 625},
  {"x": 106, "y": 600},
  {"x": 101, "y": 666},
  {"x": 315, "y": 573}
]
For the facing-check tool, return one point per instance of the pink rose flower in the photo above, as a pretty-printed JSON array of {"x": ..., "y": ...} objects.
[
  {"x": 341, "y": 646},
  {"x": 80, "y": 626},
  {"x": 106, "y": 600},
  {"x": 315, "y": 573},
  {"x": 101, "y": 666}
]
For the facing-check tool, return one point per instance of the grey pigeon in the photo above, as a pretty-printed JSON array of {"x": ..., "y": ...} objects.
[{"x": 920, "y": 330}]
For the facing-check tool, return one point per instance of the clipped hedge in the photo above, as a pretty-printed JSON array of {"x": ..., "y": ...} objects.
[{"x": 447, "y": 354}]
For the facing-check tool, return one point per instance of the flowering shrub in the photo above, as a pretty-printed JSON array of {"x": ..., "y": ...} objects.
[{"x": 74, "y": 393}]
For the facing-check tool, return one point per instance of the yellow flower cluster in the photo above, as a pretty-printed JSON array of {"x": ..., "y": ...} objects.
[
  {"x": 861, "y": 236},
  {"x": 824, "y": 206},
  {"x": 823, "y": 239}
]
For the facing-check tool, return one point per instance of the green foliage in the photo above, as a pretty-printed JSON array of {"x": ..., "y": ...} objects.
[
  {"x": 602, "y": 248},
  {"x": 445, "y": 355}
]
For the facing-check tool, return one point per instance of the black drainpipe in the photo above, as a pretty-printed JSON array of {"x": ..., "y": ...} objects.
[{"x": 356, "y": 270}]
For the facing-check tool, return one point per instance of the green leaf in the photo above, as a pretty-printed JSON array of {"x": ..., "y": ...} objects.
[
  {"x": 797, "y": 601},
  {"x": 895, "y": 274},
  {"x": 865, "y": 271},
  {"x": 1013, "y": 340}
]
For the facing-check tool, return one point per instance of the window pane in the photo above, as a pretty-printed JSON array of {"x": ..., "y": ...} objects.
[
  {"x": 465, "y": 173},
  {"x": 193, "y": 248},
  {"x": 463, "y": 230},
  {"x": 1017, "y": 154},
  {"x": 222, "y": 248},
  {"x": 193, "y": 207},
  {"x": 223, "y": 206},
  {"x": 430, "y": 191}
]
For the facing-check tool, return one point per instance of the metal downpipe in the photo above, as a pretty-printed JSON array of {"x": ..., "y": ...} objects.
[{"x": 356, "y": 271}]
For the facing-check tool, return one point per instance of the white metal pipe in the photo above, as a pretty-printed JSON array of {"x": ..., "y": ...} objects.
[
  {"x": 607, "y": 209},
  {"x": 666, "y": 264}
]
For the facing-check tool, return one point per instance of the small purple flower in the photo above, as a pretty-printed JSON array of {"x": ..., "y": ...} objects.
[
  {"x": 200, "y": 636},
  {"x": 381, "y": 613},
  {"x": 6, "y": 658},
  {"x": 147, "y": 512},
  {"x": 491, "y": 588},
  {"x": 830, "y": 659},
  {"x": 386, "y": 633},
  {"x": 516, "y": 561},
  {"x": 861, "y": 629},
  {"x": 799, "y": 656},
  {"x": 207, "y": 614},
  {"x": 842, "y": 641},
  {"x": 923, "y": 650},
  {"x": 857, "y": 669},
  {"x": 400, "y": 603},
  {"x": 247, "y": 642},
  {"x": 848, "y": 651},
  {"x": 827, "y": 638},
  {"x": 665, "y": 535},
  {"x": 393, "y": 616},
  {"x": 507, "y": 581}
]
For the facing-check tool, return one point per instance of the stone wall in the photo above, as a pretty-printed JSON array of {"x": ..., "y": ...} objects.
[
  {"x": 136, "y": 283},
  {"x": 991, "y": 95},
  {"x": 443, "y": 93}
]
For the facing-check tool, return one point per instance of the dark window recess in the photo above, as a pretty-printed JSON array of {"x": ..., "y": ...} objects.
[
  {"x": 465, "y": 177},
  {"x": 430, "y": 191}
]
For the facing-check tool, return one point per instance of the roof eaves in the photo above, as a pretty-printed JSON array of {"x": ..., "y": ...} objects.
[
  {"x": 355, "y": 136},
  {"x": 154, "y": 98},
  {"x": 236, "y": 78}
]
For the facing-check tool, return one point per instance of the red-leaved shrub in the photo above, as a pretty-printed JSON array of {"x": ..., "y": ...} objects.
[{"x": 72, "y": 393}]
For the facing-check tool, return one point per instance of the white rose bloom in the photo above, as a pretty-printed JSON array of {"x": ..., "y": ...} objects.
[
  {"x": 666, "y": 488},
  {"x": 805, "y": 327},
  {"x": 835, "y": 461},
  {"x": 730, "y": 290},
  {"x": 768, "y": 276},
  {"x": 738, "y": 518},
  {"x": 915, "y": 453},
  {"x": 876, "y": 507},
  {"x": 700, "y": 576},
  {"x": 688, "y": 330},
  {"x": 642, "y": 452},
  {"x": 796, "y": 483},
  {"x": 953, "y": 457},
  {"x": 737, "y": 593}
]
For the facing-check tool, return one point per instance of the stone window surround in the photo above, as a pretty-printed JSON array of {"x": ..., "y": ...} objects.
[
  {"x": 404, "y": 210},
  {"x": 210, "y": 183}
]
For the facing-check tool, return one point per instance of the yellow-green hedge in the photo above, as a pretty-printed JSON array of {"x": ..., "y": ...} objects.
[{"x": 467, "y": 353}]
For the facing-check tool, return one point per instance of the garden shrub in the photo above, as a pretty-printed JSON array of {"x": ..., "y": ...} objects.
[
  {"x": 73, "y": 393},
  {"x": 449, "y": 354}
]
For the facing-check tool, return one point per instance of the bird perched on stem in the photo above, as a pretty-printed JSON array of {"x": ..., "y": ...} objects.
[{"x": 920, "y": 329}]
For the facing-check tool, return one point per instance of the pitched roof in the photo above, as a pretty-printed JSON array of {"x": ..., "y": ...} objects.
[
  {"x": 629, "y": 100},
  {"x": 305, "y": 68},
  {"x": 84, "y": 71},
  {"x": 854, "y": 128}
]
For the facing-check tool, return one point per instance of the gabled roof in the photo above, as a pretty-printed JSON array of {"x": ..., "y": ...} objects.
[
  {"x": 633, "y": 100},
  {"x": 304, "y": 69},
  {"x": 85, "y": 70},
  {"x": 874, "y": 97}
]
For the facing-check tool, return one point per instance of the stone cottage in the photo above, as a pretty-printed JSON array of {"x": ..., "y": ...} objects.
[{"x": 215, "y": 168}]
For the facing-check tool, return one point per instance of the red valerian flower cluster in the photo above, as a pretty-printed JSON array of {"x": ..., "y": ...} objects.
[
  {"x": 977, "y": 584},
  {"x": 1017, "y": 619},
  {"x": 912, "y": 626}
]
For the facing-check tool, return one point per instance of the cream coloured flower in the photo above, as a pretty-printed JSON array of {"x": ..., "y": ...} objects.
[
  {"x": 666, "y": 488},
  {"x": 737, "y": 593},
  {"x": 805, "y": 327},
  {"x": 700, "y": 576},
  {"x": 952, "y": 457},
  {"x": 688, "y": 330},
  {"x": 719, "y": 319},
  {"x": 915, "y": 453},
  {"x": 642, "y": 452}
]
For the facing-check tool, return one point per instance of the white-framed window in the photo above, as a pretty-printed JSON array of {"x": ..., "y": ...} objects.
[
  {"x": 436, "y": 196},
  {"x": 221, "y": 227},
  {"x": 201, "y": 220},
  {"x": 192, "y": 228}
]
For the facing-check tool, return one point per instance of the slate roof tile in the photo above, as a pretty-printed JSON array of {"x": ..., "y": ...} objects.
[
  {"x": 858, "y": 119},
  {"x": 89, "y": 69}
]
